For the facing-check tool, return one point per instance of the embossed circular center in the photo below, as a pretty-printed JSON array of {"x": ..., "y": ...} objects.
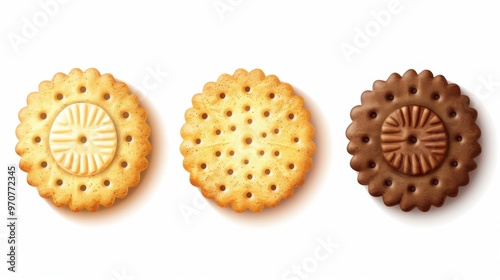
[
  {"x": 414, "y": 140},
  {"x": 83, "y": 139}
]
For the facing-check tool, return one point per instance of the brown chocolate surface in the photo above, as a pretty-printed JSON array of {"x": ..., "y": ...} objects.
[{"x": 413, "y": 140}]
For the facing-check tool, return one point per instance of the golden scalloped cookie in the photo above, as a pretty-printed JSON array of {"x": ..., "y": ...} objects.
[
  {"x": 247, "y": 140},
  {"x": 83, "y": 139}
]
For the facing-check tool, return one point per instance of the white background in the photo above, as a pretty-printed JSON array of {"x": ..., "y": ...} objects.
[{"x": 146, "y": 236}]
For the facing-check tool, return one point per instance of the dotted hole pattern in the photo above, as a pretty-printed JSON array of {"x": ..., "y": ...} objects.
[
  {"x": 435, "y": 96},
  {"x": 248, "y": 140}
]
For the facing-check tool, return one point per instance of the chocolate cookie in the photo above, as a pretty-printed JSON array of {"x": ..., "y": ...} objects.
[{"x": 413, "y": 140}]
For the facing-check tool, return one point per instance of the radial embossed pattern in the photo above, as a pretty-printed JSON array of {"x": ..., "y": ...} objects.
[
  {"x": 83, "y": 139},
  {"x": 413, "y": 140},
  {"x": 247, "y": 141}
]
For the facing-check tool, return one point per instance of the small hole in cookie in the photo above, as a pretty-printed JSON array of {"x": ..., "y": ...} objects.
[
  {"x": 276, "y": 131},
  {"x": 273, "y": 187},
  {"x": 230, "y": 171},
  {"x": 83, "y": 188},
  {"x": 271, "y": 95},
  {"x": 203, "y": 166},
  {"x": 373, "y": 115},
  {"x": 249, "y": 176},
  {"x": 247, "y": 89},
  {"x": 296, "y": 139},
  {"x": 389, "y": 97},
  {"x": 276, "y": 153},
  {"x": 231, "y": 153},
  {"x": 83, "y": 139},
  {"x": 125, "y": 114},
  {"x": 222, "y": 95},
  {"x": 412, "y": 139},
  {"x": 458, "y": 138},
  {"x": 412, "y": 188},
  {"x": 264, "y": 135},
  {"x": 59, "y": 96},
  {"x": 217, "y": 132},
  {"x": 106, "y": 183},
  {"x": 261, "y": 152},
  {"x": 434, "y": 182},
  {"x": 124, "y": 164},
  {"x": 233, "y": 128},
  {"x": 198, "y": 141},
  {"x": 266, "y": 114},
  {"x": 247, "y": 108},
  {"x": 249, "y": 121},
  {"x": 222, "y": 188},
  {"x": 436, "y": 96},
  {"x": 204, "y": 116},
  {"x": 371, "y": 164},
  {"x": 43, "y": 164},
  {"x": 218, "y": 154},
  {"x": 388, "y": 182},
  {"x": 229, "y": 113},
  {"x": 291, "y": 116},
  {"x": 106, "y": 96},
  {"x": 83, "y": 89},
  {"x": 454, "y": 163},
  {"x": 267, "y": 171},
  {"x": 453, "y": 114},
  {"x": 413, "y": 90},
  {"x": 249, "y": 194},
  {"x": 248, "y": 140},
  {"x": 38, "y": 139},
  {"x": 246, "y": 161},
  {"x": 365, "y": 139},
  {"x": 59, "y": 182},
  {"x": 43, "y": 116},
  {"x": 291, "y": 166},
  {"x": 128, "y": 138}
]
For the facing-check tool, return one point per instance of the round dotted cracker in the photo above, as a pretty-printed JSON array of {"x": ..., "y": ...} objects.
[
  {"x": 247, "y": 140},
  {"x": 413, "y": 140},
  {"x": 83, "y": 139}
]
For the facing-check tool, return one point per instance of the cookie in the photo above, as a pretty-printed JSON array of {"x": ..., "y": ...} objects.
[
  {"x": 413, "y": 140},
  {"x": 83, "y": 139},
  {"x": 247, "y": 141}
]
